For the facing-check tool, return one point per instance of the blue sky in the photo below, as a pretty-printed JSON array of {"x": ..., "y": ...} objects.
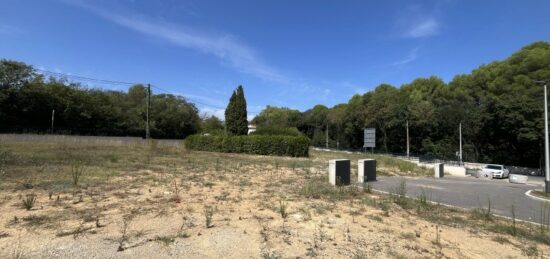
[{"x": 285, "y": 53}]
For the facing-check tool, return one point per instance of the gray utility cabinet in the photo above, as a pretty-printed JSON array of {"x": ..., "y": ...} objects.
[
  {"x": 339, "y": 172},
  {"x": 439, "y": 170},
  {"x": 366, "y": 170}
]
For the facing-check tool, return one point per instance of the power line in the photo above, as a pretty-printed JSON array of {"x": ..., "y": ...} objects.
[
  {"x": 196, "y": 101},
  {"x": 83, "y": 78},
  {"x": 113, "y": 82}
]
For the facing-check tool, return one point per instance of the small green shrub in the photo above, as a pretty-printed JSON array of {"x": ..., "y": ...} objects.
[
  {"x": 283, "y": 208},
  {"x": 253, "y": 144},
  {"x": 29, "y": 200},
  {"x": 208, "y": 215}
]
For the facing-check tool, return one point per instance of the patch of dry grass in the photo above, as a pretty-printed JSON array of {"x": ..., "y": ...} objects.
[{"x": 281, "y": 206}]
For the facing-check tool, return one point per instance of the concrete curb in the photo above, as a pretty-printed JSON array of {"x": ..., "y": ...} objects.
[
  {"x": 528, "y": 193},
  {"x": 462, "y": 208}
]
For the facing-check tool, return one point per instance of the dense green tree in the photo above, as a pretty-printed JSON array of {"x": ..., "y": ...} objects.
[
  {"x": 211, "y": 124},
  {"x": 277, "y": 117},
  {"x": 498, "y": 104},
  {"x": 14, "y": 74},
  {"x": 236, "y": 120},
  {"x": 27, "y": 101}
]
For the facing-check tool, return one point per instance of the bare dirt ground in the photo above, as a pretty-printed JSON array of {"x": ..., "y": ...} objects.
[{"x": 162, "y": 201}]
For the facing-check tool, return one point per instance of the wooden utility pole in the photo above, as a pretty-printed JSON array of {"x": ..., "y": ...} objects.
[
  {"x": 460, "y": 144},
  {"x": 408, "y": 155},
  {"x": 327, "y": 136},
  {"x": 53, "y": 118},
  {"x": 147, "y": 133}
]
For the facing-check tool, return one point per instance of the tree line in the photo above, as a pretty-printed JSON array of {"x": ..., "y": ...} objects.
[
  {"x": 27, "y": 100},
  {"x": 499, "y": 105}
]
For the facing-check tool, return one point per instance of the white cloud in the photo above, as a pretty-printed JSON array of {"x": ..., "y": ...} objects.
[
  {"x": 207, "y": 100},
  {"x": 419, "y": 21},
  {"x": 423, "y": 28},
  {"x": 413, "y": 55},
  {"x": 210, "y": 111},
  {"x": 225, "y": 47}
]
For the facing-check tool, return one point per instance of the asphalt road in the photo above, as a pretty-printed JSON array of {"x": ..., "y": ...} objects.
[{"x": 470, "y": 192}]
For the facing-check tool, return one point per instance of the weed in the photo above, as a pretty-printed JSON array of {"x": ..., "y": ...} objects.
[
  {"x": 530, "y": 251},
  {"x": 544, "y": 220},
  {"x": 28, "y": 202},
  {"x": 75, "y": 233},
  {"x": 283, "y": 208},
  {"x": 398, "y": 194},
  {"x": 270, "y": 255},
  {"x": 437, "y": 241},
  {"x": 408, "y": 235},
  {"x": 514, "y": 230},
  {"x": 124, "y": 233},
  {"x": 501, "y": 240},
  {"x": 359, "y": 254},
  {"x": 77, "y": 168},
  {"x": 483, "y": 213},
  {"x": 36, "y": 220},
  {"x": 208, "y": 215},
  {"x": 176, "y": 198},
  {"x": 166, "y": 240},
  {"x": 367, "y": 188},
  {"x": 375, "y": 218}
]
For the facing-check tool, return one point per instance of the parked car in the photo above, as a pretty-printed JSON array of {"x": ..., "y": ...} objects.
[{"x": 498, "y": 171}]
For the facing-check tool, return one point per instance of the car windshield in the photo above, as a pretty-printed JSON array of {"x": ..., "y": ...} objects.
[{"x": 494, "y": 167}]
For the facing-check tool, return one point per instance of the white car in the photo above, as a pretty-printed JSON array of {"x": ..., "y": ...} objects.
[{"x": 498, "y": 171}]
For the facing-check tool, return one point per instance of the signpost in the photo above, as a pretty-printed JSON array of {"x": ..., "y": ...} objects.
[{"x": 369, "y": 139}]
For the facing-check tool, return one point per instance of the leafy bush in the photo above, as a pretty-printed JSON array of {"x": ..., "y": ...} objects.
[
  {"x": 278, "y": 131},
  {"x": 253, "y": 144}
]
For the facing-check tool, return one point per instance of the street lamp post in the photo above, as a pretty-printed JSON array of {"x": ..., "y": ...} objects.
[{"x": 546, "y": 155}]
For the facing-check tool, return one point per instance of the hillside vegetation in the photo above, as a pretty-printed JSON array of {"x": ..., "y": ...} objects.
[{"x": 499, "y": 105}]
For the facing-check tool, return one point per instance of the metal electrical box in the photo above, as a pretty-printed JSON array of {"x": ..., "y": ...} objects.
[
  {"x": 339, "y": 172},
  {"x": 366, "y": 171},
  {"x": 439, "y": 170}
]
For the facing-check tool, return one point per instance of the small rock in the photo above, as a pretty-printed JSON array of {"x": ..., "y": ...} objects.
[
  {"x": 298, "y": 217},
  {"x": 330, "y": 221}
]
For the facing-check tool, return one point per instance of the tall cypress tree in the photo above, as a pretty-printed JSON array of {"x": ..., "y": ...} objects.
[
  {"x": 242, "y": 120},
  {"x": 235, "y": 113}
]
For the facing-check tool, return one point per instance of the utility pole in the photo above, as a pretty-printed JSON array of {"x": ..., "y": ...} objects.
[
  {"x": 327, "y": 136},
  {"x": 460, "y": 144},
  {"x": 53, "y": 117},
  {"x": 546, "y": 155},
  {"x": 147, "y": 133},
  {"x": 408, "y": 155}
]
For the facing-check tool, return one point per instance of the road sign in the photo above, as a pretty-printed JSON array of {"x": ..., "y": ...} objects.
[{"x": 369, "y": 137}]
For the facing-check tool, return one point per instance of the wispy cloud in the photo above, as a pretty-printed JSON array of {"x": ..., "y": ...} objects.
[
  {"x": 205, "y": 99},
  {"x": 424, "y": 28},
  {"x": 227, "y": 48},
  {"x": 417, "y": 21},
  {"x": 413, "y": 55},
  {"x": 209, "y": 111}
]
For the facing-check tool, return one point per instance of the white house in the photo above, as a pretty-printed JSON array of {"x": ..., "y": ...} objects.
[{"x": 251, "y": 128}]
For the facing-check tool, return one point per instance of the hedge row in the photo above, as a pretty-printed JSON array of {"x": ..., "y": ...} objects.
[
  {"x": 272, "y": 130},
  {"x": 253, "y": 144}
]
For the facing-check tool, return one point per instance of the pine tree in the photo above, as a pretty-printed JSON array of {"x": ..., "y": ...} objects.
[{"x": 235, "y": 113}]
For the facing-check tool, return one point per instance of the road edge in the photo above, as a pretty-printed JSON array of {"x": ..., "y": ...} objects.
[
  {"x": 528, "y": 193},
  {"x": 462, "y": 208}
]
